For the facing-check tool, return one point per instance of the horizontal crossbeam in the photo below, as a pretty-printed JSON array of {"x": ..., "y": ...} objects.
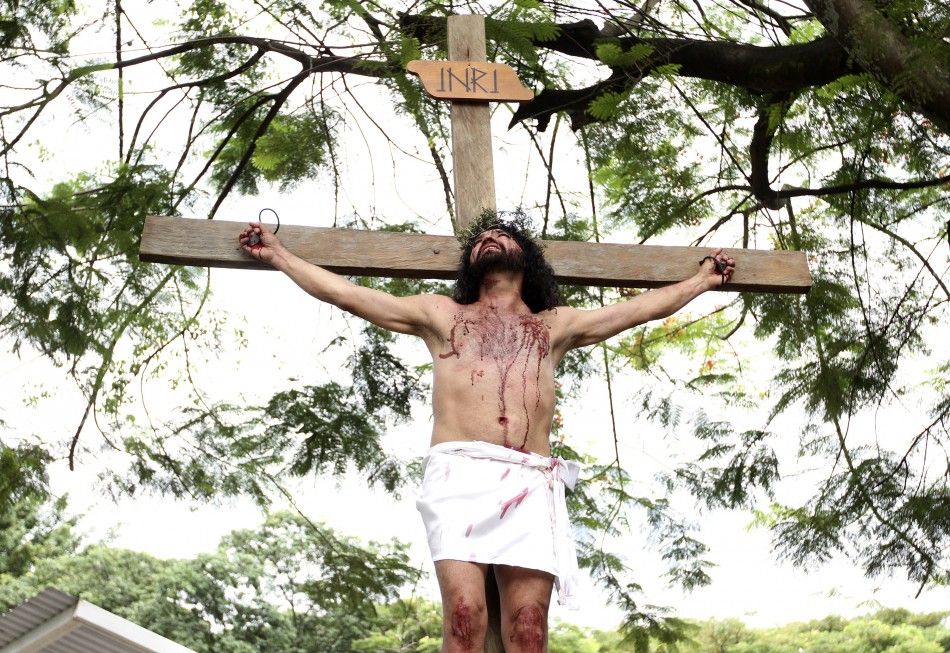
[{"x": 214, "y": 243}]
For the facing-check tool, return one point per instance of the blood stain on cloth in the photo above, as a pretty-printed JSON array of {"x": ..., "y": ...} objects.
[
  {"x": 514, "y": 501},
  {"x": 468, "y": 531},
  {"x": 505, "y": 475}
]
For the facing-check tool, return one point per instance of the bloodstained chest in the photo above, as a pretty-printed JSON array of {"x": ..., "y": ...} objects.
[
  {"x": 491, "y": 336},
  {"x": 507, "y": 350}
]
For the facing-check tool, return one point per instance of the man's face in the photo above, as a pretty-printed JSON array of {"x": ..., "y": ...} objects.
[{"x": 493, "y": 247}]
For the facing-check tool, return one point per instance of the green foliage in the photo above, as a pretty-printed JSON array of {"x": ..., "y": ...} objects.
[
  {"x": 514, "y": 30},
  {"x": 751, "y": 465},
  {"x": 341, "y": 426},
  {"x": 289, "y": 585},
  {"x": 915, "y": 524},
  {"x": 293, "y": 149},
  {"x": 873, "y": 633},
  {"x": 32, "y": 526},
  {"x": 599, "y": 507},
  {"x": 73, "y": 280},
  {"x": 636, "y": 159},
  {"x": 613, "y": 55},
  {"x": 209, "y": 18},
  {"x": 22, "y": 21},
  {"x": 335, "y": 431},
  {"x": 407, "y": 625},
  {"x": 381, "y": 380},
  {"x": 607, "y": 106},
  {"x": 643, "y": 346},
  {"x": 671, "y": 159}
]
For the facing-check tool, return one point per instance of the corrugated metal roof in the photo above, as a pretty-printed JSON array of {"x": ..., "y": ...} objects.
[
  {"x": 85, "y": 639},
  {"x": 33, "y": 613},
  {"x": 54, "y": 622}
]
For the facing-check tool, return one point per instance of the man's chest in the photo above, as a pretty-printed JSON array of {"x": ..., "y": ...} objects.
[{"x": 486, "y": 336}]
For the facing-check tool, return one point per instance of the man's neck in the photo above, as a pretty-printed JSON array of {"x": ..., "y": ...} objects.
[{"x": 502, "y": 290}]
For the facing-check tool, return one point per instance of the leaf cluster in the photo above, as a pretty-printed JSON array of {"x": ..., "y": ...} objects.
[{"x": 289, "y": 585}]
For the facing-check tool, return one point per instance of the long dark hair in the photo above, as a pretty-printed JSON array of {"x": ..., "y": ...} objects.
[{"x": 539, "y": 289}]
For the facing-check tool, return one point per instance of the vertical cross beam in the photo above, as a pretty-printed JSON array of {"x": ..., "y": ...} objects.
[{"x": 473, "y": 173}]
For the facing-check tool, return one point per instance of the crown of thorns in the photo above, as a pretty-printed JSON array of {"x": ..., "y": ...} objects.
[{"x": 491, "y": 219}]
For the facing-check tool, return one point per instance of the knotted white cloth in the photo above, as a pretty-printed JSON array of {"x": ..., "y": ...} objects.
[{"x": 481, "y": 502}]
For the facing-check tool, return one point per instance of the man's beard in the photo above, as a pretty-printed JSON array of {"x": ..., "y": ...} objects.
[{"x": 498, "y": 260}]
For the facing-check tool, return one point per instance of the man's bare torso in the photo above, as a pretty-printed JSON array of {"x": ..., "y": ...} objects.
[
  {"x": 494, "y": 359},
  {"x": 493, "y": 373}
]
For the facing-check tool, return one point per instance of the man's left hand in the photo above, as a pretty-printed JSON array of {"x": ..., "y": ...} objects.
[{"x": 716, "y": 269}]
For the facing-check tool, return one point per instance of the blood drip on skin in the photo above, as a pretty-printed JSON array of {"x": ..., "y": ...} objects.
[
  {"x": 460, "y": 321},
  {"x": 528, "y": 629},
  {"x": 462, "y": 625},
  {"x": 502, "y": 341},
  {"x": 535, "y": 334},
  {"x": 514, "y": 501}
]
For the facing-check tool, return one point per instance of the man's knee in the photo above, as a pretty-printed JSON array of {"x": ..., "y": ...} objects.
[
  {"x": 529, "y": 627},
  {"x": 465, "y": 622}
]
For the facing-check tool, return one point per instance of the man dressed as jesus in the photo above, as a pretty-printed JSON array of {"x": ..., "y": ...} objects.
[{"x": 492, "y": 497}]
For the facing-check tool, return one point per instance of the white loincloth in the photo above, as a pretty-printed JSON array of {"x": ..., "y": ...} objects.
[{"x": 486, "y": 503}]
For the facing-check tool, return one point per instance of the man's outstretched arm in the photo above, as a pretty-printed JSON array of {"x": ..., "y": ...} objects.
[
  {"x": 589, "y": 327},
  {"x": 401, "y": 314}
]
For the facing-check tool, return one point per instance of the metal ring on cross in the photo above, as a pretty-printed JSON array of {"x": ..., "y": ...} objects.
[{"x": 259, "y": 219}]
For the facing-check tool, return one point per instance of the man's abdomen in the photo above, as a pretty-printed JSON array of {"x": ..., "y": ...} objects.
[{"x": 513, "y": 411}]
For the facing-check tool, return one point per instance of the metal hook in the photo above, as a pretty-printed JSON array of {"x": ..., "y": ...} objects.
[{"x": 259, "y": 219}]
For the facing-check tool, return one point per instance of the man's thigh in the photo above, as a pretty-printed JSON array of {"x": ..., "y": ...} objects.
[
  {"x": 525, "y": 598},
  {"x": 464, "y": 616}
]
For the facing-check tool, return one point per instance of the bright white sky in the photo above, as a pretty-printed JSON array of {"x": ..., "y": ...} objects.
[{"x": 287, "y": 331}]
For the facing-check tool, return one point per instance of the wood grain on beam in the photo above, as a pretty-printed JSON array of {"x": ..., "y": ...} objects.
[
  {"x": 207, "y": 243},
  {"x": 474, "y": 177}
]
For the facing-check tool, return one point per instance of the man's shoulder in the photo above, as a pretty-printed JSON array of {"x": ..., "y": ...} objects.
[
  {"x": 436, "y": 300},
  {"x": 562, "y": 321},
  {"x": 556, "y": 314},
  {"x": 438, "y": 307}
]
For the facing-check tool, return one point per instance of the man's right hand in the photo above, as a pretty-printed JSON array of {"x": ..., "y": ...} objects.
[{"x": 260, "y": 243}]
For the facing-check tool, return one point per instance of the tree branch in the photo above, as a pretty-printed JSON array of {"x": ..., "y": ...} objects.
[
  {"x": 759, "y": 162},
  {"x": 279, "y": 100},
  {"x": 863, "y": 184},
  {"x": 325, "y": 63},
  {"x": 761, "y": 70},
  {"x": 247, "y": 65},
  {"x": 917, "y": 73}
]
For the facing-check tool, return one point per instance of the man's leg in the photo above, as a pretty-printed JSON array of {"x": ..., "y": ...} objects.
[
  {"x": 464, "y": 617},
  {"x": 525, "y": 597}
]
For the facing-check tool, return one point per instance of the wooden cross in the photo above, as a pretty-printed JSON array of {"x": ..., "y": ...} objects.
[{"x": 469, "y": 82}]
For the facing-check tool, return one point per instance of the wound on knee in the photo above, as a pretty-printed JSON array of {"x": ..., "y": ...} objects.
[
  {"x": 529, "y": 629},
  {"x": 462, "y": 629}
]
